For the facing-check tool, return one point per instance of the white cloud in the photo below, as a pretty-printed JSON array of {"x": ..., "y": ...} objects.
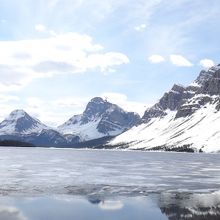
[
  {"x": 179, "y": 60},
  {"x": 206, "y": 63},
  {"x": 122, "y": 101},
  {"x": 140, "y": 27},
  {"x": 156, "y": 58},
  {"x": 106, "y": 60},
  {"x": 24, "y": 60},
  {"x": 40, "y": 27}
]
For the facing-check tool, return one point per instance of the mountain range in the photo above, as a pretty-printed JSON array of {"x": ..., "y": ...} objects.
[
  {"x": 186, "y": 118},
  {"x": 99, "y": 120}
]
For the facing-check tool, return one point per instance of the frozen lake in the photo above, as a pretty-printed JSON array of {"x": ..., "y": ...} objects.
[
  {"x": 43, "y": 171},
  {"x": 42, "y": 183}
]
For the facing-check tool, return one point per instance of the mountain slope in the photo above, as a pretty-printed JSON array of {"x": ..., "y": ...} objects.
[
  {"x": 100, "y": 119},
  {"x": 185, "y": 117}
]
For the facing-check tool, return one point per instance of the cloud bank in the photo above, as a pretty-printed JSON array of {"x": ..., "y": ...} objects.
[{"x": 69, "y": 53}]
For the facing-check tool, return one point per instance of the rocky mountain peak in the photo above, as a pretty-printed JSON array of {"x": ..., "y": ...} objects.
[
  {"x": 207, "y": 75},
  {"x": 96, "y": 107},
  {"x": 97, "y": 100},
  {"x": 100, "y": 118},
  {"x": 19, "y": 121},
  {"x": 16, "y": 114},
  {"x": 210, "y": 81},
  {"x": 187, "y": 100}
]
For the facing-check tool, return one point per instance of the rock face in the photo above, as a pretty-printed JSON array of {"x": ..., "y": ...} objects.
[
  {"x": 100, "y": 118},
  {"x": 181, "y": 118},
  {"x": 171, "y": 101},
  {"x": 186, "y": 100},
  {"x": 209, "y": 81}
]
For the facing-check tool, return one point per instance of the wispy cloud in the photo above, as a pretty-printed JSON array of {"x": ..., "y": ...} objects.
[
  {"x": 156, "y": 58},
  {"x": 179, "y": 60},
  {"x": 174, "y": 24}
]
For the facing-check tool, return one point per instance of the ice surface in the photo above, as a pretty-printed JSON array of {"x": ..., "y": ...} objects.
[{"x": 39, "y": 171}]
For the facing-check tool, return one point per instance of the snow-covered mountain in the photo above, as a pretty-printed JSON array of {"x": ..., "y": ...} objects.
[
  {"x": 22, "y": 127},
  {"x": 185, "y": 118},
  {"x": 100, "y": 119},
  {"x": 19, "y": 122}
]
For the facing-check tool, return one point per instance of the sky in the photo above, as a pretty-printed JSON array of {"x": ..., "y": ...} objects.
[{"x": 55, "y": 55}]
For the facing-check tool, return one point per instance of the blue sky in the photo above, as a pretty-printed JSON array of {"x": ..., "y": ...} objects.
[{"x": 58, "y": 54}]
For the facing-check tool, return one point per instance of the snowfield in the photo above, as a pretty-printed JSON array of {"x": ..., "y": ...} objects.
[{"x": 200, "y": 131}]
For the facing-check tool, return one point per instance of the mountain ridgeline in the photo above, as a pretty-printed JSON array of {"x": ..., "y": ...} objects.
[
  {"x": 186, "y": 100},
  {"x": 101, "y": 119}
]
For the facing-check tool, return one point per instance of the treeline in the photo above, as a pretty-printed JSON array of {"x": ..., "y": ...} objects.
[{"x": 13, "y": 143}]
